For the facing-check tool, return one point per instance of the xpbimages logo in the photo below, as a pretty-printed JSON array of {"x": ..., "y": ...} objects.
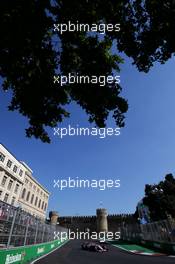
[
  {"x": 71, "y": 235},
  {"x": 86, "y": 79},
  {"x": 81, "y": 27},
  {"x": 76, "y": 183},
  {"x": 71, "y": 131}
]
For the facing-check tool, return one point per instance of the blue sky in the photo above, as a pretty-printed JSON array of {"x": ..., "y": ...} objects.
[{"x": 143, "y": 153}]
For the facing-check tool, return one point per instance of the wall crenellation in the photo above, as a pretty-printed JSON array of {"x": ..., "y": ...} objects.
[{"x": 114, "y": 221}]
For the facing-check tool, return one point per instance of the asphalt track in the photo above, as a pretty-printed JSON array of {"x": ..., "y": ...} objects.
[{"x": 71, "y": 253}]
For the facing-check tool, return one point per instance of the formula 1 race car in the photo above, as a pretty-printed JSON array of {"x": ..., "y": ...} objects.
[{"x": 95, "y": 247}]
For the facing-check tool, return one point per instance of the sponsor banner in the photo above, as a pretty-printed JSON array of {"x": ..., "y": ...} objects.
[{"x": 25, "y": 254}]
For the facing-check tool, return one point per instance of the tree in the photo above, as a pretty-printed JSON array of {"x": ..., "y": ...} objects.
[
  {"x": 160, "y": 198},
  {"x": 31, "y": 53},
  {"x": 152, "y": 37}
]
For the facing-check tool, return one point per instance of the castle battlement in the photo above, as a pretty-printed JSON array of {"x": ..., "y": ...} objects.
[
  {"x": 78, "y": 217},
  {"x": 100, "y": 221},
  {"x": 94, "y": 216},
  {"x": 120, "y": 215}
]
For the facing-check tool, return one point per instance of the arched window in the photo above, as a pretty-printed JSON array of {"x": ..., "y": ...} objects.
[
  {"x": 42, "y": 205},
  {"x": 23, "y": 193},
  {"x": 28, "y": 196},
  {"x": 45, "y": 207},
  {"x": 36, "y": 200},
  {"x": 32, "y": 199}
]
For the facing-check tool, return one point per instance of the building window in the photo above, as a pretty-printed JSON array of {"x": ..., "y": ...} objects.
[
  {"x": 16, "y": 188},
  {"x": 23, "y": 193},
  {"x": 2, "y": 157},
  {"x": 34, "y": 187},
  {"x": 0, "y": 193},
  {"x": 36, "y": 200},
  {"x": 4, "y": 181},
  {"x": 45, "y": 206},
  {"x": 28, "y": 196},
  {"x": 20, "y": 173},
  {"x": 39, "y": 203},
  {"x": 9, "y": 163},
  {"x": 26, "y": 181},
  {"x": 10, "y": 185},
  {"x": 6, "y": 197},
  {"x": 42, "y": 205},
  {"x": 32, "y": 199},
  {"x": 15, "y": 169},
  {"x": 30, "y": 184},
  {"x": 38, "y": 190},
  {"x": 13, "y": 201}
]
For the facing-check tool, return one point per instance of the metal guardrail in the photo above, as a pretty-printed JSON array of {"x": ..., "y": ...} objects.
[
  {"x": 160, "y": 231},
  {"x": 130, "y": 232},
  {"x": 18, "y": 228}
]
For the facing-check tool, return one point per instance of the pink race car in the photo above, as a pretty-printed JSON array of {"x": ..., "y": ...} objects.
[{"x": 95, "y": 247}]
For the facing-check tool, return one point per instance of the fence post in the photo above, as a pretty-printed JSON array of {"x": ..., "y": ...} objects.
[
  {"x": 151, "y": 232},
  {"x": 25, "y": 239},
  {"x": 8, "y": 213},
  {"x": 43, "y": 233},
  {"x": 36, "y": 233},
  {"x": 11, "y": 229},
  {"x": 169, "y": 228}
]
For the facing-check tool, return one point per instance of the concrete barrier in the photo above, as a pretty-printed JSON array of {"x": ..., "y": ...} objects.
[
  {"x": 168, "y": 248},
  {"x": 22, "y": 255}
]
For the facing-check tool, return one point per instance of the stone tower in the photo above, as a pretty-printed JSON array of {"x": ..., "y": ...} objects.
[
  {"x": 102, "y": 221},
  {"x": 53, "y": 217}
]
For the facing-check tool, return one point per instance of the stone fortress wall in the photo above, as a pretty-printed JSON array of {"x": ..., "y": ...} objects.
[{"x": 99, "y": 222}]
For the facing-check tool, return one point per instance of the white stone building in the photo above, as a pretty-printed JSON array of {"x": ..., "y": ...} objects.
[{"x": 19, "y": 188}]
